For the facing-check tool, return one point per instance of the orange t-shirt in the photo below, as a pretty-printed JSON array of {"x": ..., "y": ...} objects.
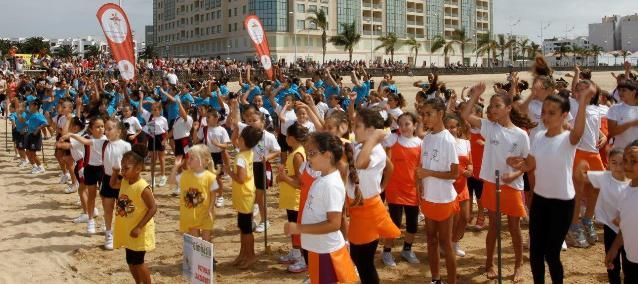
[
  {"x": 477, "y": 153},
  {"x": 401, "y": 188}
]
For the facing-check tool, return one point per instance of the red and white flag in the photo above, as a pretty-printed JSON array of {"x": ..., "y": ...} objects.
[
  {"x": 118, "y": 33},
  {"x": 258, "y": 36}
]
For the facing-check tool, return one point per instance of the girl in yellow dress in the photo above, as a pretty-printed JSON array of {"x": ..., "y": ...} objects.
[
  {"x": 243, "y": 190},
  {"x": 135, "y": 207},
  {"x": 289, "y": 191},
  {"x": 197, "y": 186}
]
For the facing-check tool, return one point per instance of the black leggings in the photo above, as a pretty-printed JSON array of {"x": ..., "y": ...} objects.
[
  {"x": 363, "y": 258},
  {"x": 614, "y": 274},
  {"x": 411, "y": 216},
  {"x": 292, "y": 215},
  {"x": 549, "y": 221}
]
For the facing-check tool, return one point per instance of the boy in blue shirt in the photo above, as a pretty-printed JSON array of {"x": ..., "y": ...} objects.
[{"x": 35, "y": 121}]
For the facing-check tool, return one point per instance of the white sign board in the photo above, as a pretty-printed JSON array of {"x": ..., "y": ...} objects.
[{"x": 198, "y": 260}]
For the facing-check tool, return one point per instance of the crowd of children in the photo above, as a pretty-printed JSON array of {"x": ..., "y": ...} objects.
[{"x": 352, "y": 163}]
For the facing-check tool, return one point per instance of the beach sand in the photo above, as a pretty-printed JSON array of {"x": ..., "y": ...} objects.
[{"x": 39, "y": 243}]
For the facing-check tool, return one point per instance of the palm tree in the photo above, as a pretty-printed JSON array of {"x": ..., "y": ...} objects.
[
  {"x": 533, "y": 49},
  {"x": 348, "y": 38},
  {"x": 65, "y": 51},
  {"x": 320, "y": 20},
  {"x": 524, "y": 47},
  {"x": 562, "y": 51},
  {"x": 595, "y": 51},
  {"x": 150, "y": 51},
  {"x": 484, "y": 45},
  {"x": 577, "y": 51},
  {"x": 414, "y": 46},
  {"x": 438, "y": 42},
  {"x": 92, "y": 51},
  {"x": 459, "y": 37},
  {"x": 503, "y": 44},
  {"x": 390, "y": 43}
]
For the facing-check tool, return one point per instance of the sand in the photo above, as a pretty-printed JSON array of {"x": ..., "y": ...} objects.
[{"x": 38, "y": 241}]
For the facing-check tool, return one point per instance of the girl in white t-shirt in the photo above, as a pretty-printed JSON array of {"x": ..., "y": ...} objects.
[
  {"x": 394, "y": 108},
  {"x": 328, "y": 258},
  {"x": 554, "y": 193},
  {"x": 93, "y": 168},
  {"x": 504, "y": 139},
  {"x": 76, "y": 149},
  {"x": 622, "y": 118},
  {"x": 611, "y": 185},
  {"x": 134, "y": 127},
  {"x": 369, "y": 219},
  {"x": 216, "y": 138},
  {"x": 439, "y": 168},
  {"x": 156, "y": 128},
  {"x": 627, "y": 219}
]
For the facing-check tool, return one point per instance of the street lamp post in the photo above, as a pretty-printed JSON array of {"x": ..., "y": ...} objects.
[
  {"x": 227, "y": 51},
  {"x": 294, "y": 31}
]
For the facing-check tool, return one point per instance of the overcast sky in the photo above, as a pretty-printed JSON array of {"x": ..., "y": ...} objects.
[{"x": 76, "y": 18}]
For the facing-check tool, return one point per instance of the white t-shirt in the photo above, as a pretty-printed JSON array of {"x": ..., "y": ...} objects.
[
  {"x": 534, "y": 110},
  {"x": 113, "y": 155},
  {"x": 60, "y": 121},
  {"x": 438, "y": 152},
  {"x": 554, "y": 165},
  {"x": 289, "y": 118},
  {"x": 611, "y": 190},
  {"x": 182, "y": 128},
  {"x": 95, "y": 155},
  {"x": 322, "y": 109},
  {"x": 462, "y": 147},
  {"x": 370, "y": 177},
  {"x": 621, "y": 114},
  {"x": 406, "y": 142},
  {"x": 501, "y": 143},
  {"x": 77, "y": 149},
  {"x": 172, "y": 78},
  {"x": 217, "y": 134},
  {"x": 306, "y": 167},
  {"x": 629, "y": 222},
  {"x": 133, "y": 125},
  {"x": 327, "y": 194},
  {"x": 266, "y": 145},
  {"x": 591, "y": 135},
  {"x": 311, "y": 126},
  {"x": 394, "y": 114},
  {"x": 154, "y": 126}
]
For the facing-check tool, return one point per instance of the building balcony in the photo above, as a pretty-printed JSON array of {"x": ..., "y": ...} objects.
[
  {"x": 369, "y": 33},
  {"x": 377, "y": 6},
  {"x": 415, "y": 10},
  {"x": 452, "y": 15},
  {"x": 367, "y": 5},
  {"x": 377, "y": 20},
  {"x": 482, "y": 7},
  {"x": 451, "y": 26},
  {"x": 367, "y": 19}
]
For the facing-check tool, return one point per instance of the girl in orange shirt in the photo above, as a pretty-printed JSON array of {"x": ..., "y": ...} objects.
[
  {"x": 401, "y": 190},
  {"x": 474, "y": 182}
]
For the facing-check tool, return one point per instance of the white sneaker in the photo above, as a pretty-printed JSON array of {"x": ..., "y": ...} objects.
[
  {"x": 287, "y": 259},
  {"x": 262, "y": 227},
  {"x": 421, "y": 217},
  {"x": 90, "y": 227},
  {"x": 457, "y": 249},
  {"x": 71, "y": 188},
  {"x": 410, "y": 257},
  {"x": 63, "y": 178},
  {"x": 162, "y": 181},
  {"x": 96, "y": 212},
  {"x": 83, "y": 218},
  {"x": 34, "y": 169},
  {"x": 299, "y": 266},
  {"x": 564, "y": 246},
  {"x": 176, "y": 191},
  {"x": 388, "y": 259},
  {"x": 108, "y": 240},
  {"x": 219, "y": 202},
  {"x": 23, "y": 164},
  {"x": 38, "y": 170}
]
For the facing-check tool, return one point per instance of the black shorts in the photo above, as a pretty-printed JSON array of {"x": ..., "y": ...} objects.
[
  {"x": 155, "y": 144},
  {"x": 218, "y": 160},
  {"x": 134, "y": 257},
  {"x": 411, "y": 216},
  {"x": 14, "y": 135},
  {"x": 171, "y": 123},
  {"x": 93, "y": 174},
  {"x": 34, "y": 142},
  {"x": 258, "y": 175},
  {"x": 292, "y": 215},
  {"x": 281, "y": 139},
  {"x": 526, "y": 185},
  {"x": 21, "y": 142},
  {"x": 182, "y": 145},
  {"x": 475, "y": 186},
  {"x": 106, "y": 190},
  {"x": 245, "y": 223}
]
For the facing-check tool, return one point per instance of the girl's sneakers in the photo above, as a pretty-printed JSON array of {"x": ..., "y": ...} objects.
[
  {"x": 90, "y": 227},
  {"x": 299, "y": 266},
  {"x": 388, "y": 259},
  {"x": 108, "y": 240},
  {"x": 219, "y": 202},
  {"x": 410, "y": 257},
  {"x": 287, "y": 259}
]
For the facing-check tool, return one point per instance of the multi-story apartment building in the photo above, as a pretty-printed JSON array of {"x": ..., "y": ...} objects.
[
  {"x": 615, "y": 33},
  {"x": 211, "y": 28}
]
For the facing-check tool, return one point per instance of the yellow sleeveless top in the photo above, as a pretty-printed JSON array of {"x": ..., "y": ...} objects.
[
  {"x": 244, "y": 193},
  {"x": 289, "y": 195},
  {"x": 129, "y": 210},
  {"x": 194, "y": 201}
]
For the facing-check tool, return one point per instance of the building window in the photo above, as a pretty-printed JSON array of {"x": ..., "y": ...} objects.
[
  {"x": 301, "y": 25},
  {"x": 230, "y": 13},
  {"x": 312, "y": 8},
  {"x": 235, "y": 26},
  {"x": 301, "y": 8},
  {"x": 244, "y": 9},
  {"x": 235, "y": 11},
  {"x": 325, "y": 9},
  {"x": 230, "y": 28}
]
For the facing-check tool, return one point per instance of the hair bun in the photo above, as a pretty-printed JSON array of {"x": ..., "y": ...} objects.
[{"x": 140, "y": 149}]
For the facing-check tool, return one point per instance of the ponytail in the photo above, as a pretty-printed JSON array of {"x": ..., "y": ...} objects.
[{"x": 353, "y": 176}]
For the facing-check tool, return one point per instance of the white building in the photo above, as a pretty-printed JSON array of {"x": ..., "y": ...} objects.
[
  {"x": 79, "y": 45},
  {"x": 553, "y": 44}
]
